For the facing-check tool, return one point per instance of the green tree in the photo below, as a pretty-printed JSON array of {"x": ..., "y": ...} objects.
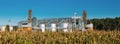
[{"x": 106, "y": 23}]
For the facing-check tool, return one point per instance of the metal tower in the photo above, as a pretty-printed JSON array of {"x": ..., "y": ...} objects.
[
  {"x": 9, "y": 21},
  {"x": 84, "y": 18},
  {"x": 75, "y": 16},
  {"x": 29, "y": 16}
]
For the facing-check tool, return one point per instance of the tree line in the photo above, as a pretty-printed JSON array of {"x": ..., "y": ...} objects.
[{"x": 106, "y": 23}]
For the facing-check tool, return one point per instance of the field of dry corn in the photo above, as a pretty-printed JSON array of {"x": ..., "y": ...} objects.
[{"x": 94, "y": 37}]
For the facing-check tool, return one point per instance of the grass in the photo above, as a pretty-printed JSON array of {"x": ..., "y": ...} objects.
[{"x": 36, "y": 37}]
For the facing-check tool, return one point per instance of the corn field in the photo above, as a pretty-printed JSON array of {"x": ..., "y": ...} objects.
[{"x": 36, "y": 37}]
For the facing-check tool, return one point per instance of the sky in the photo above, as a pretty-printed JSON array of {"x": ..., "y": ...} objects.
[{"x": 17, "y": 10}]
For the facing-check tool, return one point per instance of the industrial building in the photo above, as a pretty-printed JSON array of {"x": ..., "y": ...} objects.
[
  {"x": 53, "y": 24},
  {"x": 3, "y": 28}
]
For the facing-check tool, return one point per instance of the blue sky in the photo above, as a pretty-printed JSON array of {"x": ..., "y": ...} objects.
[{"x": 17, "y": 10}]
